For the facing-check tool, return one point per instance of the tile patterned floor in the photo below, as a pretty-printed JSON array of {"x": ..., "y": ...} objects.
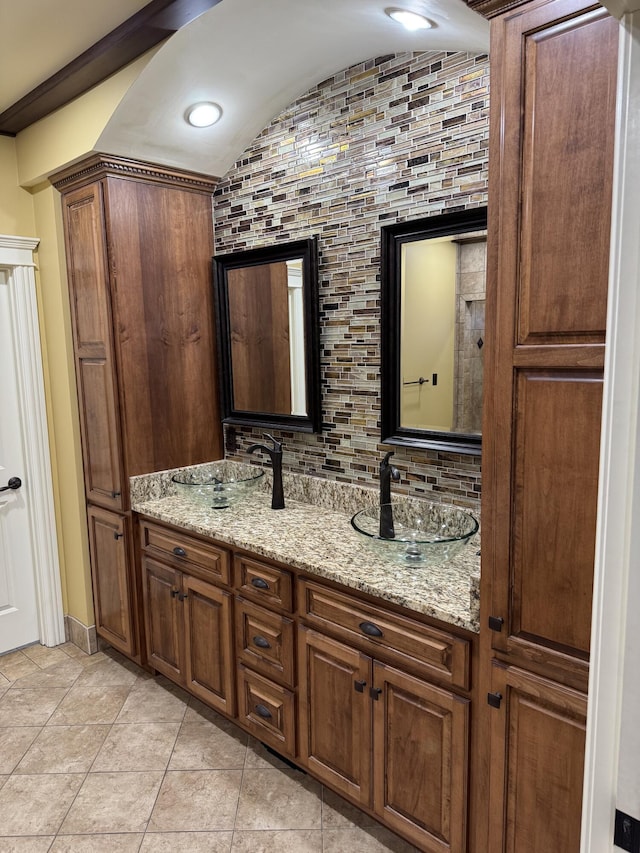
[{"x": 97, "y": 755}]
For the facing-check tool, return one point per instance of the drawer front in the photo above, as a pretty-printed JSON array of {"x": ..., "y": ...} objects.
[
  {"x": 267, "y": 710},
  {"x": 261, "y": 582},
  {"x": 201, "y": 559},
  {"x": 400, "y": 639},
  {"x": 264, "y": 641}
]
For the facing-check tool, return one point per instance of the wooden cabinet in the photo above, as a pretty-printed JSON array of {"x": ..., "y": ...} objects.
[
  {"x": 139, "y": 241},
  {"x": 553, "y": 84},
  {"x": 189, "y": 629},
  {"x": 113, "y": 582},
  {"x": 537, "y": 753},
  {"x": 387, "y": 740}
]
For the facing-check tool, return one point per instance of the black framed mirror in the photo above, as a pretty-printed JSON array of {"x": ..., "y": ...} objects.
[
  {"x": 433, "y": 284},
  {"x": 268, "y": 336}
]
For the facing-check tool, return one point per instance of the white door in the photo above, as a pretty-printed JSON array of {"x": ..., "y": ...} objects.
[
  {"x": 30, "y": 585},
  {"x": 18, "y": 607}
]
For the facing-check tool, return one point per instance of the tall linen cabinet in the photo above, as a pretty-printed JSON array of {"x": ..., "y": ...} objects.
[
  {"x": 139, "y": 241},
  {"x": 553, "y": 86}
]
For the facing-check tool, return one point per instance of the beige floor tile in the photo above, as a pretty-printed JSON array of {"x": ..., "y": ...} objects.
[
  {"x": 197, "y": 800},
  {"x": 33, "y": 844},
  {"x": 187, "y": 842},
  {"x": 209, "y": 746},
  {"x": 279, "y": 799},
  {"x": 14, "y": 742},
  {"x": 106, "y": 673},
  {"x": 88, "y": 705},
  {"x": 154, "y": 701},
  {"x": 64, "y": 749},
  {"x": 113, "y": 803},
  {"x": 61, "y": 674},
  {"x": 137, "y": 746},
  {"x": 370, "y": 840},
  {"x": 36, "y": 805},
  {"x": 11, "y": 657},
  {"x": 337, "y": 813},
  {"x": 17, "y": 667},
  {"x": 198, "y": 712},
  {"x": 277, "y": 841},
  {"x": 19, "y": 707},
  {"x": 44, "y": 656},
  {"x": 114, "y": 843},
  {"x": 3, "y": 779},
  {"x": 72, "y": 650},
  {"x": 259, "y": 757}
]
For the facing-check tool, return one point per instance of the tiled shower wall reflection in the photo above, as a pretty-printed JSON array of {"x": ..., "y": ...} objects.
[{"x": 392, "y": 139}]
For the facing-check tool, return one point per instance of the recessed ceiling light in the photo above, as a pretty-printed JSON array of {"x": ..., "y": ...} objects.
[
  {"x": 409, "y": 20},
  {"x": 203, "y": 114}
]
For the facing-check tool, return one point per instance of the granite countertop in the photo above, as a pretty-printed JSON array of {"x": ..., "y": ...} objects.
[{"x": 314, "y": 534}]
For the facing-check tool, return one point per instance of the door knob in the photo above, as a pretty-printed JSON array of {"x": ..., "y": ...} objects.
[{"x": 14, "y": 483}]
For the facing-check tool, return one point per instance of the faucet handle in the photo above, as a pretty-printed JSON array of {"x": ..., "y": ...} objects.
[{"x": 277, "y": 445}]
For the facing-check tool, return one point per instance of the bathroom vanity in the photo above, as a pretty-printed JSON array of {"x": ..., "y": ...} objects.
[{"x": 357, "y": 669}]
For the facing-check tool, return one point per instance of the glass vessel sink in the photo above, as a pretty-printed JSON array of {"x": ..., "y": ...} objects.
[
  {"x": 425, "y": 533},
  {"x": 218, "y": 485}
]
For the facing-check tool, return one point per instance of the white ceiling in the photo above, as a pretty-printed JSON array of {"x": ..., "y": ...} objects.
[{"x": 253, "y": 57}]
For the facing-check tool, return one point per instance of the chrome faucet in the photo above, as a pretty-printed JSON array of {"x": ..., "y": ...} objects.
[
  {"x": 387, "y": 473},
  {"x": 275, "y": 454}
]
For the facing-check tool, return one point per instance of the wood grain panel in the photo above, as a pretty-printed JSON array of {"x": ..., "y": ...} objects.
[
  {"x": 557, "y": 457},
  {"x": 267, "y": 710},
  {"x": 556, "y": 87},
  {"x": 265, "y": 641},
  {"x": 112, "y": 585},
  {"x": 161, "y": 242},
  {"x": 261, "y": 363},
  {"x": 164, "y": 618},
  {"x": 335, "y": 718},
  {"x": 420, "y": 737},
  {"x": 209, "y": 643},
  {"x": 538, "y": 737}
]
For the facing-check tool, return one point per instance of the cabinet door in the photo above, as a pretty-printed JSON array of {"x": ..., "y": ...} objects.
[
  {"x": 335, "y": 714},
  {"x": 420, "y": 747},
  {"x": 109, "y": 544},
  {"x": 209, "y": 643},
  {"x": 88, "y": 273},
  {"x": 549, "y": 229},
  {"x": 537, "y": 746},
  {"x": 161, "y": 243},
  {"x": 164, "y": 619}
]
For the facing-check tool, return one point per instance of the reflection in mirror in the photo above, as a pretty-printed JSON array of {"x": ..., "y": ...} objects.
[
  {"x": 267, "y": 333},
  {"x": 433, "y": 292}
]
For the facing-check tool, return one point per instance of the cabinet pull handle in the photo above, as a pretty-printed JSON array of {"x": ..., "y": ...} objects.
[
  {"x": 118, "y": 535},
  {"x": 496, "y": 623},
  {"x": 179, "y": 552},
  {"x": 263, "y": 711},
  {"x": 375, "y": 692},
  {"x": 116, "y": 494},
  {"x": 261, "y": 642},
  {"x": 494, "y": 699},
  {"x": 359, "y": 686},
  {"x": 370, "y": 629},
  {"x": 182, "y": 596},
  {"x": 259, "y": 583},
  {"x": 175, "y": 592}
]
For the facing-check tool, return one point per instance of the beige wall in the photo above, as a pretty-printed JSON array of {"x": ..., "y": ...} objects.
[{"x": 16, "y": 207}]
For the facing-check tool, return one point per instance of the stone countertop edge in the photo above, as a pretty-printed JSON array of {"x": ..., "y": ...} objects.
[{"x": 319, "y": 540}]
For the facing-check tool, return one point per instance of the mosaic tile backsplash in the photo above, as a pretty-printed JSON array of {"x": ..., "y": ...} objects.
[{"x": 392, "y": 139}]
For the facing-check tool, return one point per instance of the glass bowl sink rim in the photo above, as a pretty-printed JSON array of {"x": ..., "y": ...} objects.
[
  {"x": 188, "y": 478},
  {"x": 413, "y": 539}
]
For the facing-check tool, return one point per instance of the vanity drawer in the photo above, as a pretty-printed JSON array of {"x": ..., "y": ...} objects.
[
  {"x": 261, "y": 582},
  {"x": 195, "y": 556},
  {"x": 267, "y": 710},
  {"x": 399, "y": 639},
  {"x": 264, "y": 641}
]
